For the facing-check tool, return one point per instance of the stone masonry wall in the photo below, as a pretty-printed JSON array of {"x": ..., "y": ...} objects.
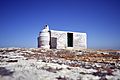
[
  {"x": 79, "y": 40},
  {"x": 58, "y": 39}
]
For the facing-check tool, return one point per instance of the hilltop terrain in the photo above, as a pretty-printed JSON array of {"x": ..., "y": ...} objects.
[{"x": 47, "y": 64}]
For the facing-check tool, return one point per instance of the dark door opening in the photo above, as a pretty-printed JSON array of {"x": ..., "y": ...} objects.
[
  {"x": 53, "y": 44},
  {"x": 70, "y": 39}
]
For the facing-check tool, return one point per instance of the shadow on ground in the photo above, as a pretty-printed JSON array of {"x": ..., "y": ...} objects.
[{"x": 5, "y": 72}]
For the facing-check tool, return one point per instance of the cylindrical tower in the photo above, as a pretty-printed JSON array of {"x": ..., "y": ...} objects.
[{"x": 44, "y": 38}]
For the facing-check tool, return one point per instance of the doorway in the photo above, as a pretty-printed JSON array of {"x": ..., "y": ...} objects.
[
  {"x": 53, "y": 44},
  {"x": 70, "y": 39}
]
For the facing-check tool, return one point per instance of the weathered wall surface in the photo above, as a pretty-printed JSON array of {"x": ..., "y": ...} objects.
[
  {"x": 58, "y": 39},
  {"x": 79, "y": 40}
]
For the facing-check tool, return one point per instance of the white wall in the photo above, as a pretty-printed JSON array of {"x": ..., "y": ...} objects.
[
  {"x": 79, "y": 39},
  {"x": 61, "y": 39}
]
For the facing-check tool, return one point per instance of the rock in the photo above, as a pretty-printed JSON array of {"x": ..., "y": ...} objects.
[{"x": 12, "y": 60}]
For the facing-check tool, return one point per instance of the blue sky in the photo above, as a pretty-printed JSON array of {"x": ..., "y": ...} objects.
[{"x": 22, "y": 20}]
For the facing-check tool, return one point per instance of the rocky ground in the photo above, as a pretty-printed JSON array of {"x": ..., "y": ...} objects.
[{"x": 43, "y": 64}]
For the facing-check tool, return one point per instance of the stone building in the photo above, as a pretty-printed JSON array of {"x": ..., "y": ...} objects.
[{"x": 53, "y": 39}]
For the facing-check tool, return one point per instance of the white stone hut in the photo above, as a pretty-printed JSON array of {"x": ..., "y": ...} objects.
[{"x": 53, "y": 39}]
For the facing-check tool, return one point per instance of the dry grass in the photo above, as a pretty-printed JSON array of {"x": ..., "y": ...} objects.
[{"x": 71, "y": 55}]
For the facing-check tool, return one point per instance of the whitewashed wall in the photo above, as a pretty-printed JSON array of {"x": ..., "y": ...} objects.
[
  {"x": 79, "y": 39},
  {"x": 61, "y": 39}
]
